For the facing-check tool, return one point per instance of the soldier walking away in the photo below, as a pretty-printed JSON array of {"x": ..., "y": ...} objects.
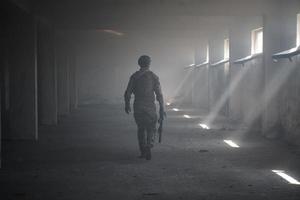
[{"x": 145, "y": 86}]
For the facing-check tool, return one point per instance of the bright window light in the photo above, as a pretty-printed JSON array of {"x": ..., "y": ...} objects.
[
  {"x": 226, "y": 49},
  {"x": 207, "y": 58},
  {"x": 231, "y": 143},
  {"x": 287, "y": 177},
  {"x": 226, "y": 55},
  {"x": 298, "y": 29},
  {"x": 175, "y": 109},
  {"x": 187, "y": 116},
  {"x": 204, "y": 126},
  {"x": 207, "y": 53},
  {"x": 257, "y": 41}
]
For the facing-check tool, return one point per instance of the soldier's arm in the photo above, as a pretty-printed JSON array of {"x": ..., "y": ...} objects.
[
  {"x": 128, "y": 92},
  {"x": 158, "y": 93}
]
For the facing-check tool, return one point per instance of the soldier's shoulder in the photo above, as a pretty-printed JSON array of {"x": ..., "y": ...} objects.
[
  {"x": 154, "y": 75},
  {"x": 134, "y": 74}
]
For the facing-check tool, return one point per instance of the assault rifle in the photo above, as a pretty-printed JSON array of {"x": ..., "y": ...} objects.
[{"x": 160, "y": 129}]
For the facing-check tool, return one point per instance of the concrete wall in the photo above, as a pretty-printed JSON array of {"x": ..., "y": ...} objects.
[
  {"x": 265, "y": 94},
  {"x": 63, "y": 79},
  {"x": 200, "y": 89},
  {"x": 66, "y": 72},
  {"x": 1, "y": 84},
  {"x": 217, "y": 74},
  {"x": 0, "y": 128},
  {"x": 29, "y": 74},
  {"x": 4, "y": 90},
  {"x": 47, "y": 75},
  {"x": 50, "y": 77},
  {"x": 21, "y": 61},
  {"x": 229, "y": 89},
  {"x": 106, "y": 62},
  {"x": 73, "y": 81},
  {"x": 281, "y": 117},
  {"x": 247, "y": 79}
]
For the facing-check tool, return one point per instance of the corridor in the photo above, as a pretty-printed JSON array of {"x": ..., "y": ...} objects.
[
  {"x": 226, "y": 72},
  {"x": 92, "y": 154}
]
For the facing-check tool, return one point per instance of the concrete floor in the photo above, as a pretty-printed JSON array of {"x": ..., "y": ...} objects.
[{"x": 92, "y": 154}]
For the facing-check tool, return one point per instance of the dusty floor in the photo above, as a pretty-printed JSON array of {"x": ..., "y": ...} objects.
[{"x": 92, "y": 154}]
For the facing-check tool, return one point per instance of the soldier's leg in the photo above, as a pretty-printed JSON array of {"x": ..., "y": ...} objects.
[
  {"x": 138, "y": 116},
  {"x": 141, "y": 140},
  {"x": 150, "y": 129},
  {"x": 150, "y": 136},
  {"x": 149, "y": 143}
]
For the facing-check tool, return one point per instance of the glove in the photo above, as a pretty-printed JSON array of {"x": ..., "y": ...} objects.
[{"x": 127, "y": 109}]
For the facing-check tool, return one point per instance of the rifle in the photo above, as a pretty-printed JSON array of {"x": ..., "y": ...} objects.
[{"x": 160, "y": 129}]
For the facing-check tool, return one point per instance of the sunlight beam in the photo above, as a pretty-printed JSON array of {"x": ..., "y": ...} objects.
[
  {"x": 287, "y": 177},
  {"x": 187, "y": 116},
  {"x": 204, "y": 126},
  {"x": 231, "y": 143}
]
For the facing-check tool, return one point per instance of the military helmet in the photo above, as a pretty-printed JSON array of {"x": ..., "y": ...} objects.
[{"x": 144, "y": 61}]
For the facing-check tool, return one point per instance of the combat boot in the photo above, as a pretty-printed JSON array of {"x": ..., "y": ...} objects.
[
  {"x": 143, "y": 153},
  {"x": 148, "y": 153}
]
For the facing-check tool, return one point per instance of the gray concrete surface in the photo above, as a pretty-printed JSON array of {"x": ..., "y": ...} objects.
[
  {"x": 21, "y": 60},
  {"x": 47, "y": 76},
  {"x": 92, "y": 154}
]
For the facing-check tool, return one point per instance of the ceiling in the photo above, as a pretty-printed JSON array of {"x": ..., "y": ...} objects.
[{"x": 146, "y": 14}]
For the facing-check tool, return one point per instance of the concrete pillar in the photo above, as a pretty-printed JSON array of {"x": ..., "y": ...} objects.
[
  {"x": 201, "y": 93},
  {"x": 0, "y": 127},
  {"x": 289, "y": 112},
  {"x": 216, "y": 52},
  {"x": 281, "y": 99},
  {"x": 245, "y": 100},
  {"x": 239, "y": 47},
  {"x": 23, "y": 77},
  {"x": 1, "y": 91},
  {"x": 1, "y": 81},
  {"x": 272, "y": 32},
  {"x": 5, "y": 98},
  {"x": 63, "y": 77},
  {"x": 47, "y": 86},
  {"x": 73, "y": 82}
]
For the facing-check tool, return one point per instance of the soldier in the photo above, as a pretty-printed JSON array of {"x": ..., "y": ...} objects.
[{"x": 145, "y": 85}]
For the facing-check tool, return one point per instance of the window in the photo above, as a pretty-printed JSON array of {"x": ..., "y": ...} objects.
[
  {"x": 298, "y": 29},
  {"x": 226, "y": 56},
  {"x": 293, "y": 51},
  {"x": 206, "y": 62},
  {"x": 226, "y": 49},
  {"x": 257, "y": 41},
  {"x": 207, "y": 53}
]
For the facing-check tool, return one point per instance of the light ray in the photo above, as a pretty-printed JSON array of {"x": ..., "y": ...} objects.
[
  {"x": 224, "y": 98},
  {"x": 110, "y": 31},
  {"x": 271, "y": 89},
  {"x": 287, "y": 177},
  {"x": 181, "y": 85},
  {"x": 231, "y": 143},
  {"x": 204, "y": 126}
]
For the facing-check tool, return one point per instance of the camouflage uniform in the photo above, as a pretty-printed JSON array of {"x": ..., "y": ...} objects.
[{"x": 145, "y": 85}]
